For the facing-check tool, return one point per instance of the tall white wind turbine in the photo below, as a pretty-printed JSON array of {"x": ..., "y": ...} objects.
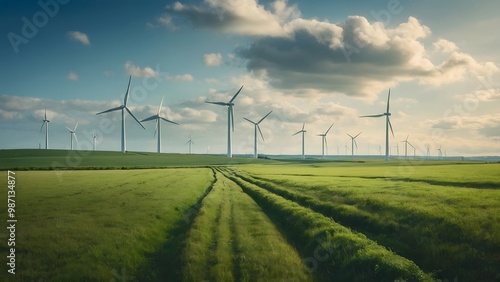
[
  {"x": 387, "y": 125},
  {"x": 324, "y": 142},
  {"x": 123, "y": 107},
  {"x": 46, "y": 123},
  {"x": 157, "y": 118},
  {"x": 302, "y": 131},
  {"x": 230, "y": 120},
  {"x": 72, "y": 132},
  {"x": 256, "y": 126},
  {"x": 190, "y": 142},
  {"x": 353, "y": 142}
]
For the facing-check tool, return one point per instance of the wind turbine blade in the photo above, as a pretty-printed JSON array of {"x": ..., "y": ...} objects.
[
  {"x": 111, "y": 110},
  {"x": 261, "y": 135},
  {"x": 69, "y": 129},
  {"x": 45, "y": 114},
  {"x": 358, "y": 134},
  {"x": 234, "y": 97},
  {"x": 42, "y": 126},
  {"x": 380, "y": 115},
  {"x": 76, "y": 139},
  {"x": 390, "y": 125},
  {"x": 159, "y": 108},
  {"x": 350, "y": 135},
  {"x": 169, "y": 120},
  {"x": 355, "y": 143},
  {"x": 150, "y": 118},
  {"x": 125, "y": 100},
  {"x": 218, "y": 103},
  {"x": 249, "y": 121},
  {"x": 297, "y": 132},
  {"x": 326, "y": 145},
  {"x": 75, "y": 126},
  {"x": 388, "y": 99},
  {"x": 135, "y": 118},
  {"x": 407, "y": 137},
  {"x": 304, "y": 124},
  {"x": 264, "y": 117},
  {"x": 232, "y": 116},
  {"x": 156, "y": 127},
  {"x": 329, "y": 129}
]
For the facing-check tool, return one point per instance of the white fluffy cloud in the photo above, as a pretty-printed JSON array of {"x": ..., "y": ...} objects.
[
  {"x": 212, "y": 59},
  {"x": 79, "y": 36},
  {"x": 136, "y": 71},
  {"x": 180, "y": 77},
  {"x": 245, "y": 17}
]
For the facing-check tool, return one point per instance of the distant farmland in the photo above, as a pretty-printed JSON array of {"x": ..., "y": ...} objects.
[{"x": 156, "y": 217}]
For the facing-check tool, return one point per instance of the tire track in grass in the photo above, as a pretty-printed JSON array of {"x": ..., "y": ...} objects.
[
  {"x": 165, "y": 264},
  {"x": 332, "y": 250},
  {"x": 244, "y": 245}
]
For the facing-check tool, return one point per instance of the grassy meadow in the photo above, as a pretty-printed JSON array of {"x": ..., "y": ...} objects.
[{"x": 108, "y": 216}]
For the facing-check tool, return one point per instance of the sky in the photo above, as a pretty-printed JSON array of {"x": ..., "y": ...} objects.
[{"x": 312, "y": 62}]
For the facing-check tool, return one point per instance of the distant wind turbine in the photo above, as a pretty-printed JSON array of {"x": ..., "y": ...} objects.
[
  {"x": 94, "y": 139},
  {"x": 324, "y": 143},
  {"x": 346, "y": 149},
  {"x": 387, "y": 125},
  {"x": 256, "y": 126},
  {"x": 72, "y": 132},
  {"x": 123, "y": 107},
  {"x": 46, "y": 123},
  {"x": 440, "y": 153},
  {"x": 302, "y": 131},
  {"x": 428, "y": 151},
  {"x": 157, "y": 118},
  {"x": 406, "y": 145},
  {"x": 230, "y": 120},
  {"x": 353, "y": 142},
  {"x": 190, "y": 141}
]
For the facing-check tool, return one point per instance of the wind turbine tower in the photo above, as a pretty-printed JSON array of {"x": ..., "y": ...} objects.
[
  {"x": 388, "y": 125},
  {"x": 353, "y": 142},
  {"x": 324, "y": 143},
  {"x": 124, "y": 108},
  {"x": 230, "y": 120},
  {"x": 94, "y": 139},
  {"x": 46, "y": 123},
  {"x": 302, "y": 131},
  {"x": 72, "y": 132},
  {"x": 158, "y": 118},
  {"x": 257, "y": 127},
  {"x": 406, "y": 145},
  {"x": 190, "y": 141}
]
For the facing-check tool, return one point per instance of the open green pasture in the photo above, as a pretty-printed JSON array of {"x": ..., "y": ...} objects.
[
  {"x": 31, "y": 159},
  {"x": 207, "y": 218}
]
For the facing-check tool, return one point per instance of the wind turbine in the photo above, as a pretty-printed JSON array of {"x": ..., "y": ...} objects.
[
  {"x": 230, "y": 120},
  {"x": 346, "y": 149},
  {"x": 256, "y": 126},
  {"x": 440, "y": 153},
  {"x": 302, "y": 131},
  {"x": 323, "y": 141},
  {"x": 387, "y": 126},
  {"x": 157, "y": 118},
  {"x": 190, "y": 141},
  {"x": 46, "y": 123},
  {"x": 353, "y": 142},
  {"x": 406, "y": 145},
  {"x": 123, "y": 107},
  {"x": 428, "y": 151},
  {"x": 94, "y": 137},
  {"x": 72, "y": 132}
]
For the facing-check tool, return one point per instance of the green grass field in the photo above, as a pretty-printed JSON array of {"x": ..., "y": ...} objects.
[{"x": 108, "y": 216}]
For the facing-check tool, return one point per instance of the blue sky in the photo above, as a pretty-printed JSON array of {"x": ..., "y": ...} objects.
[{"x": 313, "y": 62}]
